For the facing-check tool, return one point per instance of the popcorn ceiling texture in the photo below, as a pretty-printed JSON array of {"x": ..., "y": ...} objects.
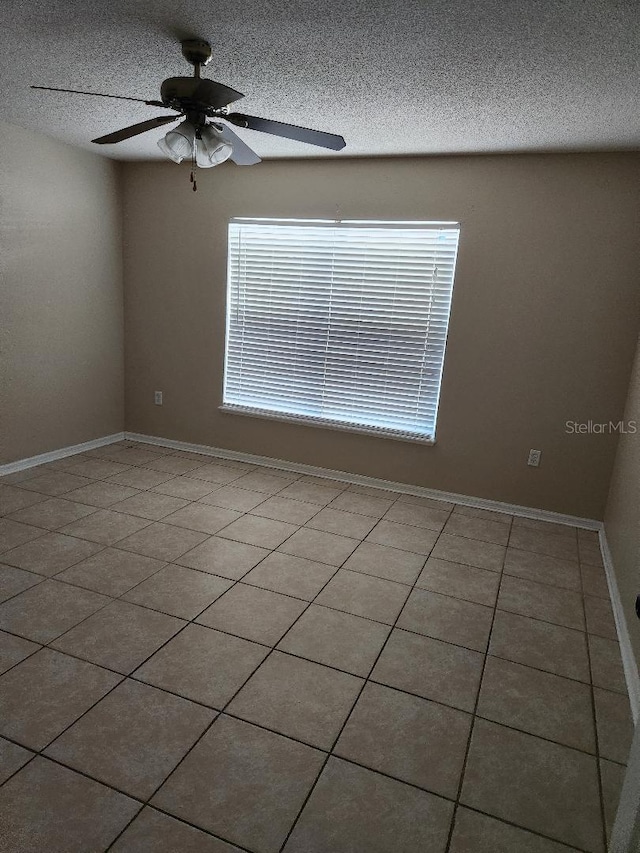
[{"x": 393, "y": 77}]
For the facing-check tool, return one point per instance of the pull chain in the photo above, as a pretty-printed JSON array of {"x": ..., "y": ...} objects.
[{"x": 192, "y": 176}]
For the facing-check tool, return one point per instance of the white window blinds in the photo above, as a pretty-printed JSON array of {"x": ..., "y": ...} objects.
[{"x": 339, "y": 323}]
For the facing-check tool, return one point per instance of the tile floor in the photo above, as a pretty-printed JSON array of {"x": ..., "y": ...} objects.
[{"x": 203, "y": 655}]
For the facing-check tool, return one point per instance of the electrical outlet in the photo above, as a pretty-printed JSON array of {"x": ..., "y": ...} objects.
[
  {"x": 157, "y": 398},
  {"x": 534, "y": 458}
]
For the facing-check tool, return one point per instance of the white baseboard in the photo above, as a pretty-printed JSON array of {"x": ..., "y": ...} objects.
[
  {"x": 632, "y": 677},
  {"x": 52, "y": 455},
  {"x": 362, "y": 480}
]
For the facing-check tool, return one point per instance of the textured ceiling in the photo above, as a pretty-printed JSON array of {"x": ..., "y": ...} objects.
[{"x": 392, "y": 76}]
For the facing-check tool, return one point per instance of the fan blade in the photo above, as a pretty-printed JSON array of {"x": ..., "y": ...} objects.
[
  {"x": 288, "y": 131},
  {"x": 101, "y": 95},
  {"x": 135, "y": 129},
  {"x": 215, "y": 95},
  {"x": 241, "y": 155}
]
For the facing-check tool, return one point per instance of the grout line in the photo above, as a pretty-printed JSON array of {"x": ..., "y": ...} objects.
[
  {"x": 475, "y": 708},
  {"x": 596, "y": 733},
  {"x": 355, "y": 702}
]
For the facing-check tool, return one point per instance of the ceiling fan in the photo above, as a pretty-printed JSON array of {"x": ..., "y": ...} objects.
[{"x": 205, "y": 136}]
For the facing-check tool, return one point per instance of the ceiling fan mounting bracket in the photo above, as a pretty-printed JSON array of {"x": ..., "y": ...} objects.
[{"x": 196, "y": 51}]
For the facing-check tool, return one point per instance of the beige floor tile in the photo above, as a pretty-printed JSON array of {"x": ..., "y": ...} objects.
[
  {"x": 290, "y": 575},
  {"x": 45, "y": 611},
  {"x": 223, "y": 557},
  {"x": 111, "y": 571},
  {"x": 14, "y": 533},
  {"x": 52, "y": 513},
  {"x": 363, "y": 595},
  {"x": 253, "y": 530},
  {"x": 351, "y": 501},
  {"x": 454, "y": 579},
  {"x": 384, "y": 562},
  {"x": 311, "y": 493},
  {"x": 101, "y": 494},
  {"x": 525, "y": 780},
  {"x": 552, "y": 648},
  {"x": 178, "y": 591},
  {"x": 105, "y": 527},
  {"x": 485, "y": 514},
  {"x": 418, "y": 500},
  {"x": 214, "y": 472},
  {"x": 120, "y": 636},
  {"x": 478, "y": 833},
  {"x": 594, "y": 581},
  {"x": 546, "y": 527},
  {"x": 13, "y": 498},
  {"x": 525, "y": 539},
  {"x": 12, "y": 758},
  {"x": 262, "y": 481},
  {"x": 97, "y": 469},
  {"x": 430, "y": 668},
  {"x": 477, "y": 528},
  {"x": 47, "y": 692},
  {"x": 13, "y": 581},
  {"x": 139, "y": 455},
  {"x": 252, "y": 613},
  {"x": 242, "y": 783},
  {"x": 449, "y": 619},
  {"x": 470, "y": 552},
  {"x": 185, "y": 487},
  {"x": 354, "y": 809},
  {"x": 154, "y": 832},
  {"x": 163, "y": 541},
  {"x": 55, "y": 483},
  {"x": 298, "y": 698},
  {"x": 231, "y": 497},
  {"x": 204, "y": 665},
  {"x": 319, "y": 546},
  {"x": 590, "y": 554},
  {"x": 417, "y": 516},
  {"x": 599, "y": 615},
  {"x": 415, "y": 740},
  {"x": 372, "y": 491},
  {"x": 285, "y": 509},
  {"x": 343, "y": 523},
  {"x": 150, "y": 505},
  {"x": 141, "y": 478},
  {"x": 612, "y": 776},
  {"x": 541, "y": 601},
  {"x": 336, "y": 639},
  {"x": 50, "y": 554},
  {"x": 133, "y": 738},
  {"x": 13, "y": 650},
  {"x": 606, "y": 664},
  {"x": 199, "y": 516},
  {"x": 81, "y": 814},
  {"x": 418, "y": 540},
  {"x": 542, "y": 568},
  {"x": 173, "y": 464},
  {"x": 615, "y": 726},
  {"x": 539, "y": 703}
]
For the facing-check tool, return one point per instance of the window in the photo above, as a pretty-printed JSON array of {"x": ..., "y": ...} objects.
[{"x": 340, "y": 324}]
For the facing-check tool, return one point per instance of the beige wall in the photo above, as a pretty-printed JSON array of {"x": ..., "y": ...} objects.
[
  {"x": 622, "y": 518},
  {"x": 61, "y": 324},
  {"x": 543, "y": 325}
]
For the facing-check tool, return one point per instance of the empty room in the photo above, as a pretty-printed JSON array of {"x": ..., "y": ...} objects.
[{"x": 319, "y": 427}]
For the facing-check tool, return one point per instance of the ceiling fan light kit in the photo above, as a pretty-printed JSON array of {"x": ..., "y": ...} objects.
[{"x": 206, "y": 143}]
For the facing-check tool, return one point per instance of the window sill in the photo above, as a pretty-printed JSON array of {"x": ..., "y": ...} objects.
[{"x": 265, "y": 414}]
